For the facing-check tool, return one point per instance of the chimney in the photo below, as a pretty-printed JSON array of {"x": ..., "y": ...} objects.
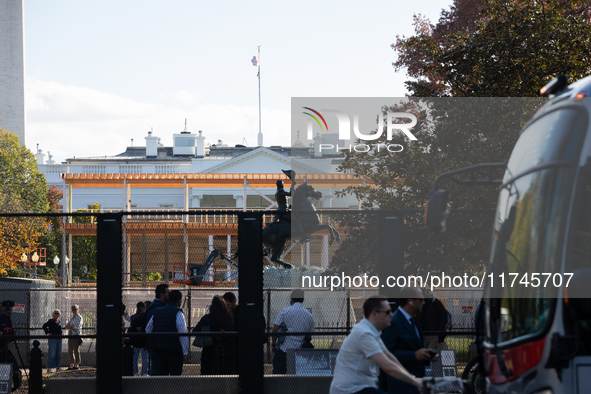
[
  {"x": 50, "y": 156},
  {"x": 317, "y": 142},
  {"x": 40, "y": 156},
  {"x": 200, "y": 145},
  {"x": 152, "y": 145}
]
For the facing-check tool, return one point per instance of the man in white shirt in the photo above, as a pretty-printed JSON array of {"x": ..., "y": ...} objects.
[
  {"x": 294, "y": 318},
  {"x": 171, "y": 351},
  {"x": 363, "y": 353}
]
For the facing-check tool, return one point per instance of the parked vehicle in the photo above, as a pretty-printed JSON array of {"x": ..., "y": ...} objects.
[{"x": 541, "y": 233}]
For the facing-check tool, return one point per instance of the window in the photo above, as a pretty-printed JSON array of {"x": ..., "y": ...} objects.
[{"x": 529, "y": 222}]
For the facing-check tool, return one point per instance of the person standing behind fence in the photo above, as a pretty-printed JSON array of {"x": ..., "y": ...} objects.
[
  {"x": 433, "y": 317},
  {"x": 294, "y": 318},
  {"x": 162, "y": 292},
  {"x": 217, "y": 319},
  {"x": 405, "y": 340},
  {"x": 224, "y": 349},
  {"x": 171, "y": 351},
  {"x": 363, "y": 353},
  {"x": 138, "y": 324},
  {"x": 54, "y": 345},
  {"x": 74, "y": 326}
]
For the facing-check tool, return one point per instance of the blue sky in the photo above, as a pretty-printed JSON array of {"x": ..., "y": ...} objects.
[{"x": 102, "y": 73}]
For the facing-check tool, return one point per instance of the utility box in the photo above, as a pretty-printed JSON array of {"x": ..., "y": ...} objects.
[{"x": 19, "y": 290}]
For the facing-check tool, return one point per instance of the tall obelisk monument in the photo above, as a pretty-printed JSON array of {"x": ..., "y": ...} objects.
[{"x": 12, "y": 67}]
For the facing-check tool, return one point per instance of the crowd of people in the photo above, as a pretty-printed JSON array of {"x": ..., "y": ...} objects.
[{"x": 387, "y": 340}]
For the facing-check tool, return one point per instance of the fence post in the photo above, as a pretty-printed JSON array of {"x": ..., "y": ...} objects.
[
  {"x": 391, "y": 249},
  {"x": 268, "y": 328},
  {"x": 127, "y": 358},
  {"x": 109, "y": 264},
  {"x": 348, "y": 295},
  {"x": 36, "y": 369},
  {"x": 250, "y": 278}
]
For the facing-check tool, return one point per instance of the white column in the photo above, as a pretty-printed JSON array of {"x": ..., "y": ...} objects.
[
  {"x": 325, "y": 251},
  {"x": 196, "y": 200},
  {"x": 65, "y": 206},
  {"x": 244, "y": 196},
  {"x": 70, "y": 257},
  {"x": 126, "y": 245},
  {"x": 329, "y": 197},
  {"x": 128, "y": 259},
  {"x": 209, "y": 275},
  {"x": 125, "y": 197},
  {"x": 305, "y": 248},
  {"x": 186, "y": 195},
  {"x": 239, "y": 200}
]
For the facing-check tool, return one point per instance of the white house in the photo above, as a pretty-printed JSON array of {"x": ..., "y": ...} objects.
[{"x": 190, "y": 154}]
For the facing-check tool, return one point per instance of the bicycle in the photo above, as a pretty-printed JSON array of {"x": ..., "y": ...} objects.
[{"x": 476, "y": 382}]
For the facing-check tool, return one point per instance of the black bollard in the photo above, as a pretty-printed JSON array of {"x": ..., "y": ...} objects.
[
  {"x": 127, "y": 358},
  {"x": 36, "y": 369}
]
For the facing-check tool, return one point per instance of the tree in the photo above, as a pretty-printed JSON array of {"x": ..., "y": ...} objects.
[
  {"x": 488, "y": 48},
  {"x": 52, "y": 236},
  {"x": 479, "y": 49},
  {"x": 22, "y": 189},
  {"x": 84, "y": 248},
  {"x": 452, "y": 133}
]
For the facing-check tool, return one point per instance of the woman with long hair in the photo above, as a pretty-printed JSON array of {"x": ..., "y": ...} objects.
[
  {"x": 217, "y": 358},
  {"x": 54, "y": 351}
]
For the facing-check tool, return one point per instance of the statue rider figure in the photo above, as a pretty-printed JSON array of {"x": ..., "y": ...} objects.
[
  {"x": 281, "y": 198},
  {"x": 283, "y": 212}
]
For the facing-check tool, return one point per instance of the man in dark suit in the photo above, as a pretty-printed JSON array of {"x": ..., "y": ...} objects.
[{"x": 405, "y": 340}]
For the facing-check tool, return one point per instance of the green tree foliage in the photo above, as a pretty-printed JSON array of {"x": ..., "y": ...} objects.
[
  {"x": 478, "y": 49},
  {"x": 22, "y": 189},
  {"x": 84, "y": 248},
  {"x": 150, "y": 276},
  {"x": 496, "y": 48},
  {"x": 452, "y": 133}
]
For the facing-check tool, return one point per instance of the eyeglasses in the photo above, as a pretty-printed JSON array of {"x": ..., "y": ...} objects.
[{"x": 387, "y": 312}]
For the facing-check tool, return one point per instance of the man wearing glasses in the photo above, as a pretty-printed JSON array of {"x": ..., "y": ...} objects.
[
  {"x": 363, "y": 353},
  {"x": 405, "y": 340}
]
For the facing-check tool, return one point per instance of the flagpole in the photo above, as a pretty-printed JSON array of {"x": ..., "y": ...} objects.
[{"x": 260, "y": 136}]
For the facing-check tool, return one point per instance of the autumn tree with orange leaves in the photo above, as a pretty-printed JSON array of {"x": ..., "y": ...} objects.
[{"x": 23, "y": 189}]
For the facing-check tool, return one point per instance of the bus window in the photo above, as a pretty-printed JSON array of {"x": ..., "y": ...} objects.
[{"x": 529, "y": 224}]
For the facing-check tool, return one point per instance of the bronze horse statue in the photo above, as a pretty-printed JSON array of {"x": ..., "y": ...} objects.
[{"x": 276, "y": 233}]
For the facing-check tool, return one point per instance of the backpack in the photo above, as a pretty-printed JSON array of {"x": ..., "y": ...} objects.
[{"x": 138, "y": 324}]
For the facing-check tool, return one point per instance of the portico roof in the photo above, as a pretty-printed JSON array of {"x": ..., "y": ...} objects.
[{"x": 205, "y": 180}]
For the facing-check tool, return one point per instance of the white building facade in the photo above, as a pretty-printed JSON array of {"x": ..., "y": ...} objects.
[{"x": 190, "y": 154}]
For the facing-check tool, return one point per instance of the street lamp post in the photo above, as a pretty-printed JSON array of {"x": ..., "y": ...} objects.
[
  {"x": 35, "y": 260},
  {"x": 56, "y": 263}
]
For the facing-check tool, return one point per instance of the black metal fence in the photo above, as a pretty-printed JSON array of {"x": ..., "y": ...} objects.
[{"x": 198, "y": 255}]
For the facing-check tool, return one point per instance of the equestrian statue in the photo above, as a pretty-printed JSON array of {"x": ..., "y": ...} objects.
[{"x": 294, "y": 227}]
